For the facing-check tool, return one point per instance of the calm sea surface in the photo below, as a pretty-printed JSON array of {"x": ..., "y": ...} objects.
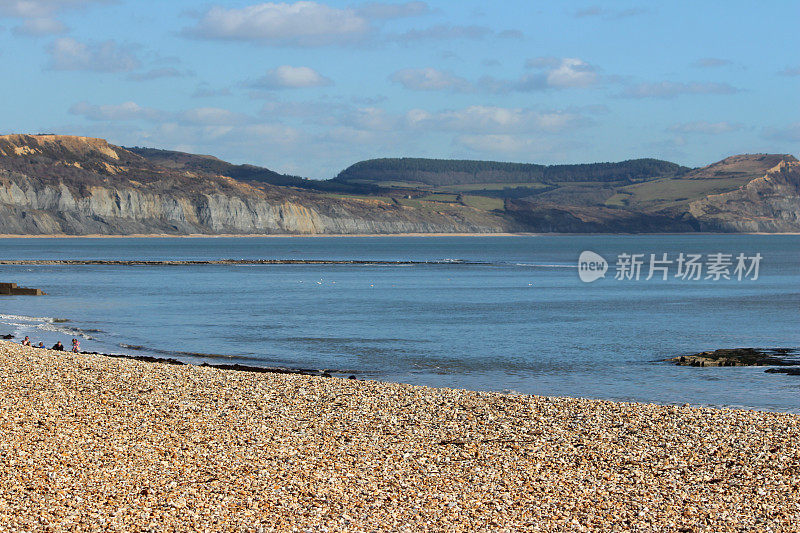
[{"x": 521, "y": 321}]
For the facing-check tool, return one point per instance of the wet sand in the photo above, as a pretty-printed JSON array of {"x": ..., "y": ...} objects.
[{"x": 96, "y": 443}]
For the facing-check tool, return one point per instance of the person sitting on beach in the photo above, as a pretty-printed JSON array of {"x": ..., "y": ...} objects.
[
  {"x": 40, "y": 345},
  {"x": 76, "y": 346},
  {"x": 26, "y": 341},
  {"x": 58, "y": 347}
]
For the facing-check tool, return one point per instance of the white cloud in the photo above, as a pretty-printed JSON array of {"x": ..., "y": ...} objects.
[
  {"x": 316, "y": 137},
  {"x": 668, "y": 89},
  {"x": 39, "y": 8},
  {"x": 550, "y": 73},
  {"x": 307, "y": 23},
  {"x": 561, "y": 72},
  {"x": 289, "y": 77},
  {"x": 429, "y": 79},
  {"x": 107, "y": 56},
  {"x": 489, "y": 119},
  {"x": 711, "y": 128},
  {"x": 297, "y": 24},
  {"x": 571, "y": 72},
  {"x": 790, "y": 71},
  {"x": 39, "y": 17}
]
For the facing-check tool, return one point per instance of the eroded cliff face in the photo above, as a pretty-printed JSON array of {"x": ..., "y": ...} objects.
[
  {"x": 76, "y": 185},
  {"x": 53, "y": 184},
  {"x": 28, "y": 209},
  {"x": 768, "y": 204}
]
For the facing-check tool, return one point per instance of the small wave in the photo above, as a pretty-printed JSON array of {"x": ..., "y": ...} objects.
[
  {"x": 72, "y": 332},
  {"x": 47, "y": 323},
  {"x": 23, "y": 318}
]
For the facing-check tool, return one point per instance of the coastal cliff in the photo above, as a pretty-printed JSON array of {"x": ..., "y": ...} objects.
[
  {"x": 29, "y": 207},
  {"x": 57, "y": 184},
  {"x": 767, "y": 204},
  {"x": 77, "y": 185}
]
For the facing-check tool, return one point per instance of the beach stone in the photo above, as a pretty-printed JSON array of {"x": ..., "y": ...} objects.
[{"x": 95, "y": 443}]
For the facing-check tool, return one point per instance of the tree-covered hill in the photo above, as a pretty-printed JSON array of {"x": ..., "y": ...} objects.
[{"x": 438, "y": 172}]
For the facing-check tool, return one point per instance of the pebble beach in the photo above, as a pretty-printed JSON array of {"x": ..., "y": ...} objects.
[{"x": 94, "y": 443}]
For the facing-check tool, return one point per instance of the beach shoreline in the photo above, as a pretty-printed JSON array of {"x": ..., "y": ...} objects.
[{"x": 89, "y": 442}]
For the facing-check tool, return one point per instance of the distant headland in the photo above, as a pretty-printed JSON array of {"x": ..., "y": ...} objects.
[{"x": 69, "y": 185}]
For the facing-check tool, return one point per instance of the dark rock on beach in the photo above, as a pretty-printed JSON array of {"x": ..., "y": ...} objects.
[
  {"x": 238, "y": 367},
  {"x": 790, "y": 371},
  {"x": 786, "y": 359}
]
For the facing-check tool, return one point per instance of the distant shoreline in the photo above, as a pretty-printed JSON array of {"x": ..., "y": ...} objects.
[{"x": 315, "y": 235}]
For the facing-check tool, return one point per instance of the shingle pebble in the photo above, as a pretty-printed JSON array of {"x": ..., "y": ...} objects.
[{"x": 93, "y": 443}]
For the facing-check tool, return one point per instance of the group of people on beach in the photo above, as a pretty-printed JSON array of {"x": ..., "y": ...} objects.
[{"x": 76, "y": 346}]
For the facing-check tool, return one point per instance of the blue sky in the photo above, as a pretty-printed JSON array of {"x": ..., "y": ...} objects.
[{"x": 309, "y": 88}]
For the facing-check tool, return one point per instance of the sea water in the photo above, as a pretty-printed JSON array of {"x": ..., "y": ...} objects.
[{"x": 486, "y": 313}]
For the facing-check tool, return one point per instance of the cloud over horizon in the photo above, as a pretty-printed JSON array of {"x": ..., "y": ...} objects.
[
  {"x": 334, "y": 127},
  {"x": 493, "y": 119}
]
